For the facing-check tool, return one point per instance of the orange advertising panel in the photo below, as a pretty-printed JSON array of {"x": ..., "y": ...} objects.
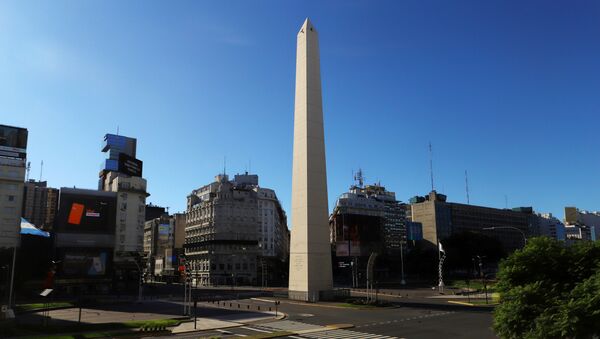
[{"x": 76, "y": 213}]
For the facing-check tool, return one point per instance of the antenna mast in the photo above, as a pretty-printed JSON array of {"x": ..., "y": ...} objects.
[
  {"x": 359, "y": 178},
  {"x": 431, "y": 165},
  {"x": 467, "y": 186},
  {"x": 41, "y": 169},
  {"x": 28, "y": 169}
]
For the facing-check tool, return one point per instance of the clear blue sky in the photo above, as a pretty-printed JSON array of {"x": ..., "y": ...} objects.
[{"x": 508, "y": 90}]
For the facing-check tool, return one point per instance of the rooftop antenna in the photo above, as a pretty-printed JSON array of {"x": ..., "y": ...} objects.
[
  {"x": 28, "y": 169},
  {"x": 467, "y": 186},
  {"x": 249, "y": 165},
  {"x": 431, "y": 165},
  {"x": 359, "y": 177},
  {"x": 225, "y": 165},
  {"x": 41, "y": 169},
  {"x": 117, "y": 129}
]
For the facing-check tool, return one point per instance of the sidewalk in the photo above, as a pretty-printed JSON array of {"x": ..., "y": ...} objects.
[{"x": 226, "y": 321}]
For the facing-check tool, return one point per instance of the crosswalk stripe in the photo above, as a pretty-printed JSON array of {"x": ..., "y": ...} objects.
[
  {"x": 324, "y": 333},
  {"x": 343, "y": 334},
  {"x": 255, "y": 329}
]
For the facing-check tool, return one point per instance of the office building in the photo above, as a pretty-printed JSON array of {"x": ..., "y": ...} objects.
[
  {"x": 367, "y": 219},
  {"x": 587, "y": 222},
  {"x": 13, "y": 148},
  {"x": 549, "y": 226},
  {"x": 440, "y": 219},
  {"x": 230, "y": 224},
  {"x": 40, "y": 204},
  {"x": 85, "y": 239},
  {"x": 122, "y": 174},
  {"x": 153, "y": 211},
  {"x": 163, "y": 244}
]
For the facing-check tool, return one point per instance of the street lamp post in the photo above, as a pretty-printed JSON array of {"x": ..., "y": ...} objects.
[
  {"x": 141, "y": 280},
  {"x": 508, "y": 227},
  {"x": 402, "y": 282}
]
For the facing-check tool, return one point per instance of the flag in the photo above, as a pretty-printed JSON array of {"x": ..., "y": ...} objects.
[{"x": 441, "y": 248}]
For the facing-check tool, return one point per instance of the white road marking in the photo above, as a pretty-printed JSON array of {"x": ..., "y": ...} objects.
[{"x": 255, "y": 329}]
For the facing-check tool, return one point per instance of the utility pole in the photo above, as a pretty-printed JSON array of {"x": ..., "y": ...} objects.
[
  {"x": 431, "y": 165},
  {"x": 467, "y": 186},
  {"x": 402, "y": 282}
]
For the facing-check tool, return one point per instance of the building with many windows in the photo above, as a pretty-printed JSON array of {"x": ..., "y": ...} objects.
[
  {"x": 122, "y": 174},
  {"x": 582, "y": 224},
  {"x": 549, "y": 226},
  {"x": 163, "y": 244},
  {"x": 13, "y": 146},
  {"x": 230, "y": 224},
  {"x": 40, "y": 204},
  {"x": 440, "y": 219},
  {"x": 367, "y": 219}
]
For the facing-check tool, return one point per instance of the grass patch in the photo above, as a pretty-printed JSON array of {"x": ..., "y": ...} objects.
[
  {"x": 356, "y": 306},
  {"x": 40, "y": 306},
  {"x": 483, "y": 303},
  {"x": 95, "y": 330},
  {"x": 472, "y": 284},
  {"x": 95, "y": 335},
  {"x": 152, "y": 323}
]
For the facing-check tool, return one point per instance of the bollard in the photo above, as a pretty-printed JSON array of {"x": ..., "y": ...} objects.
[
  {"x": 248, "y": 306},
  {"x": 238, "y": 305},
  {"x": 259, "y": 308},
  {"x": 269, "y": 309},
  {"x": 229, "y": 304}
]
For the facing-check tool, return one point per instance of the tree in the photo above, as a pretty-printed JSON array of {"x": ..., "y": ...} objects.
[{"x": 549, "y": 290}]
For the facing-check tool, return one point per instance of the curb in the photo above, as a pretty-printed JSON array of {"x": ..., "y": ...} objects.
[
  {"x": 490, "y": 305},
  {"x": 446, "y": 306}
]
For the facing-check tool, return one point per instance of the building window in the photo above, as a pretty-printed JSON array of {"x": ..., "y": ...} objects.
[{"x": 11, "y": 198}]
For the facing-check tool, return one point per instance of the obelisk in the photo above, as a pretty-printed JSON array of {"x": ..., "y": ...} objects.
[{"x": 310, "y": 252}]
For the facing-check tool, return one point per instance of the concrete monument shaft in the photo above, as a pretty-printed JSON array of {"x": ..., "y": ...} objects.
[{"x": 310, "y": 254}]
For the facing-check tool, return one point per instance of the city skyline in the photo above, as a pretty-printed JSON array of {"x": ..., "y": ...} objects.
[{"x": 386, "y": 96}]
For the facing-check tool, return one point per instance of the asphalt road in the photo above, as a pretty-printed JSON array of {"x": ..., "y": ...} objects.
[{"x": 395, "y": 322}]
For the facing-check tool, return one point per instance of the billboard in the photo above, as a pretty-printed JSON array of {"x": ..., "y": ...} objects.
[
  {"x": 13, "y": 142},
  {"x": 347, "y": 248},
  {"x": 358, "y": 235},
  {"x": 414, "y": 231},
  {"x": 163, "y": 232},
  {"x": 85, "y": 262},
  {"x": 130, "y": 165},
  {"x": 82, "y": 213}
]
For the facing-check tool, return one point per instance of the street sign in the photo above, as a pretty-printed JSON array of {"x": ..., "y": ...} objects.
[{"x": 46, "y": 292}]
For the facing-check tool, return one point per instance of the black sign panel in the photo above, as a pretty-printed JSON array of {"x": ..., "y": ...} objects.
[
  {"x": 130, "y": 165},
  {"x": 13, "y": 141},
  {"x": 80, "y": 213},
  {"x": 83, "y": 263}
]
